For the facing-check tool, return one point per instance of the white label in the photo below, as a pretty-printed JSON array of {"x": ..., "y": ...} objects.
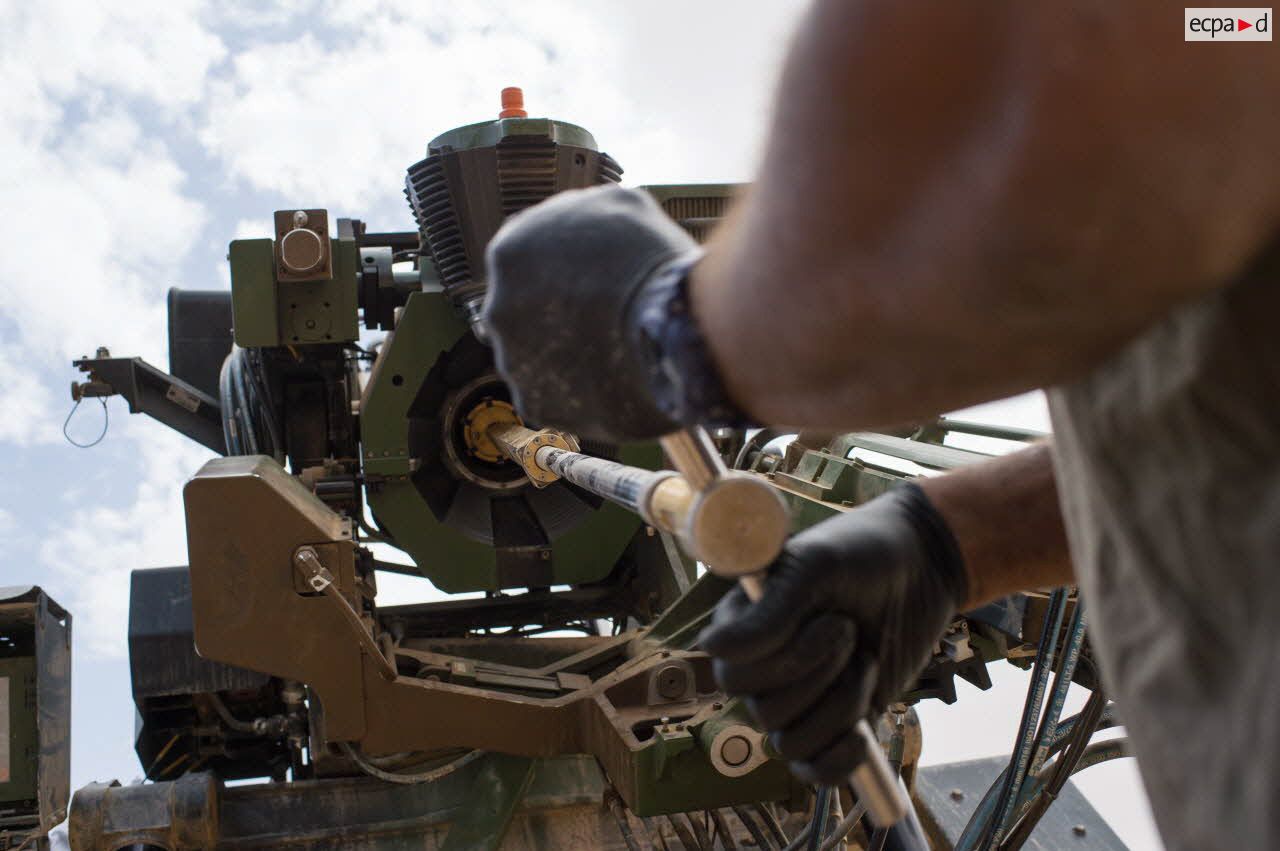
[
  {"x": 4, "y": 729},
  {"x": 181, "y": 397},
  {"x": 1227, "y": 24}
]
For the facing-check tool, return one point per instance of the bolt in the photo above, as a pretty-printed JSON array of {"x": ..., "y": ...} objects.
[
  {"x": 1079, "y": 830},
  {"x": 311, "y": 323},
  {"x": 957, "y": 795}
]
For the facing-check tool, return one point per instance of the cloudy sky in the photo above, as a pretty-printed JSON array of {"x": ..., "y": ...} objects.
[{"x": 138, "y": 138}]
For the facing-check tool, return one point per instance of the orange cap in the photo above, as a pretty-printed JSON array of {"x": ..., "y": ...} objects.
[{"x": 512, "y": 103}]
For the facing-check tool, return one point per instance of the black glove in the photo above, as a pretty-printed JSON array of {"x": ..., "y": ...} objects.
[
  {"x": 852, "y": 611},
  {"x": 575, "y": 285}
]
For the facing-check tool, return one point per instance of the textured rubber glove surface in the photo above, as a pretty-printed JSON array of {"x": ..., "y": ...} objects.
[
  {"x": 562, "y": 275},
  {"x": 852, "y": 611}
]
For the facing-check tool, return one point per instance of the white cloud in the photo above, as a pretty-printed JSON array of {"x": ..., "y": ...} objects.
[
  {"x": 155, "y": 49},
  {"x": 98, "y": 546},
  {"x": 103, "y": 232},
  {"x": 29, "y": 404},
  {"x": 102, "y": 224},
  {"x": 253, "y": 229},
  {"x": 104, "y": 221},
  {"x": 339, "y": 124}
]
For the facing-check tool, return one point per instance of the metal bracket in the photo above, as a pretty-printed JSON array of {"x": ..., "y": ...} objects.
[
  {"x": 307, "y": 562},
  {"x": 161, "y": 396}
]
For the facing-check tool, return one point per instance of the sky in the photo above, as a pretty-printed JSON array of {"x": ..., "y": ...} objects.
[{"x": 138, "y": 138}]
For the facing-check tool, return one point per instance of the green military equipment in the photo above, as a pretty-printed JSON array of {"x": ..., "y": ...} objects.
[
  {"x": 562, "y": 699},
  {"x": 35, "y": 715}
]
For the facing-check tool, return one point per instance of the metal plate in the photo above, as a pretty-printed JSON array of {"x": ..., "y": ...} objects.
[{"x": 949, "y": 793}]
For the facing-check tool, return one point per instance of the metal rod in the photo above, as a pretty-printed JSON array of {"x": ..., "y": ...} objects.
[
  {"x": 661, "y": 497},
  {"x": 627, "y": 486},
  {"x": 694, "y": 455}
]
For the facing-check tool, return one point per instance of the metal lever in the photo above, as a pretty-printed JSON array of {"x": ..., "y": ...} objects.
[{"x": 695, "y": 457}]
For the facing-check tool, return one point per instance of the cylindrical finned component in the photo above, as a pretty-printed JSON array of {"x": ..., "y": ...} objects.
[{"x": 474, "y": 177}]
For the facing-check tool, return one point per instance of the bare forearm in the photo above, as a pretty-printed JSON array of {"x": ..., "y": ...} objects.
[
  {"x": 1004, "y": 514},
  {"x": 964, "y": 201}
]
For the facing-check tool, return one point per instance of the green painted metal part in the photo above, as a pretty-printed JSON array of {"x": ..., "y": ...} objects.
[
  {"x": 823, "y": 481},
  {"x": 494, "y": 795},
  {"x": 253, "y": 293},
  {"x": 428, "y": 327},
  {"x": 675, "y": 775},
  {"x": 294, "y": 313},
  {"x": 490, "y": 133}
]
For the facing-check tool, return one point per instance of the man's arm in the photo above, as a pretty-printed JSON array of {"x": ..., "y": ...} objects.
[
  {"x": 962, "y": 201},
  {"x": 1005, "y": 517}
]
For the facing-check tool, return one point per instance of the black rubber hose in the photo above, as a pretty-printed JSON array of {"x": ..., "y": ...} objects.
[
  {"x": 818, "y": 823},
  {"x": 686, "y": 835},
  {"x": 762, "y": 839},
  {"x": 722, "y": 826},
  {"x": 771, "y": 822},
  {"x": 1025, "y": 741}
]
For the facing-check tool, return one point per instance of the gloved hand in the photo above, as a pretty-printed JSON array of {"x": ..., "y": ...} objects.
[
  {"x": 853, "y": 609},
  {"x": 568, "y": 280}
]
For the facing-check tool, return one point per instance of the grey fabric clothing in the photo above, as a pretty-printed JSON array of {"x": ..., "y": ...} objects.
[{"x": 1168, "y": 466}]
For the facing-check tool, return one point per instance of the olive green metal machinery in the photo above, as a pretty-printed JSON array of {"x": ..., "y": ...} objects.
[{"x": 346, "y": 384}]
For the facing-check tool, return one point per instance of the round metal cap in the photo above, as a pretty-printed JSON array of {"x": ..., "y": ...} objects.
[
  {"x": 738, "y": 525},
  {"x": 737, "y": 750},
  {"x": 300, "y": 250}
]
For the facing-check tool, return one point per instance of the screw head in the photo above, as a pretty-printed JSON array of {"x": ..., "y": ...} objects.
[
  {"x": 1079, "y": 830},
  {"x": 957, "y": 795}
]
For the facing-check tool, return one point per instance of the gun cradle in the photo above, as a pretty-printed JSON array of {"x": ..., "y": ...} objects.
[{"x": 641, "y": 711}]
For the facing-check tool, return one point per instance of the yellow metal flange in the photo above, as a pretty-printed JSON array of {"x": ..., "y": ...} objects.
[
  {"x": 487, "y": 415},
  {"x": 521, "y": 445}
]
